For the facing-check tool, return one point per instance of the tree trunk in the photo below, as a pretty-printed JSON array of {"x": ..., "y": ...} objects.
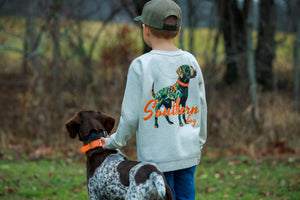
[
  {"x": 265, "y": 51},
  {"x": 29, "y": 33},
  {"x": 56, "y": 72},
  {"x": 296, "y": 17},
  {"x": 181, "y": 45},
  {"x": 296, "y": 67},
  {"x": 191, "y": 23},
  {"x": 139, "y": 5},
  {"x": 233, "y": 27},
  {"x": 250, "y": 61},
  {"x": 31, "y": 44}
]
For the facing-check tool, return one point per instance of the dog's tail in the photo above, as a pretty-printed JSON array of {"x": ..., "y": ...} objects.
[
  {"x": 161, "y": 185},
  {"x": 153, "y": 90}
]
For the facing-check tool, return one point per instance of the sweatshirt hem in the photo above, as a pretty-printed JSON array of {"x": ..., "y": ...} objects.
[{"x": 177, "y": 164}]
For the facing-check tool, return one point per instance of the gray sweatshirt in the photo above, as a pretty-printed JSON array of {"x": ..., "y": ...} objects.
[{"x": 165, "y": 106}]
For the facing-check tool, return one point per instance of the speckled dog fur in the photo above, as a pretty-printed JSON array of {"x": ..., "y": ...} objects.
[
  {"x": 110, "y": 176},
  {"x": 105, "y": 183}
]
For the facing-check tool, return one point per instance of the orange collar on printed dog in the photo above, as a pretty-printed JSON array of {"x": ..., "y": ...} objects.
[
  {"x": 182, "y": 84},
  {"x": 92, "y": 145}
]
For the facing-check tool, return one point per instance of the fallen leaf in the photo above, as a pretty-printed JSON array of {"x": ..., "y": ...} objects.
[
  {"x": 240, "y": 194},
  {"x": 264, "y": 193},
  {"x": 10, "y": 190},
  {"x": 209, "y": 189}
]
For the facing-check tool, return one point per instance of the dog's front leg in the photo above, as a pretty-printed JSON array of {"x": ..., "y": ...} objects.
[
  {"x": 179, "y": 119},
  {"x": 168, "y": 104},
  {"x": 182, "y": 104},
  {"x": 155, "y": 122},
  {"x": 183, "y": 116},
  {"x": 184, "y": 119}
]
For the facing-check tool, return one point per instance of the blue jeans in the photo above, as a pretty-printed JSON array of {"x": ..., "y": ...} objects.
[{"x": 182, "y": 183}]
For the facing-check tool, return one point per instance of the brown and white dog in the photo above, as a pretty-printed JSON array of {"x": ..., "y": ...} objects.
[{"x": 109, "y": 174}]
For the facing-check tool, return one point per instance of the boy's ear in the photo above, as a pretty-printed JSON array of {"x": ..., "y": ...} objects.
[
  {"x": 73, "y": 126},
  {"x": 178, "y": 31},
  {"x": 146, "y": 29},
  {"x": 107, "y": 121}
]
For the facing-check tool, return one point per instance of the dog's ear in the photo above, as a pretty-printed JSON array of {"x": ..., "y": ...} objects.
[
  {"x": 73, "y": 126},
  {"x": 179, "y": 71},
  {"x": 107, "y": 121}
]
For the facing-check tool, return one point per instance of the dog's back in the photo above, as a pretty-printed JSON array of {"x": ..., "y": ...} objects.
[
  {"x": 114, "y": 179},
  {"x": 105, "y": 183}
]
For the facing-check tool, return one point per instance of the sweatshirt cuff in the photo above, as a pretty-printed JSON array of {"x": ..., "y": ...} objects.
[
  {"x": 111, "y": 144},
  {"x": 108, "y": 144}
]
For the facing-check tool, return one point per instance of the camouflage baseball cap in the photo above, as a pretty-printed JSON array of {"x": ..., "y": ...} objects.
[{"x": 156, "y": 11}]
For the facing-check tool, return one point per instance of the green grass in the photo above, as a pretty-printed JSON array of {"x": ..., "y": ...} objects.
[
  {"x": 245, "y": 179},
  {"x": 42, "y": 180},
  {"x": 226, "y": 178}
]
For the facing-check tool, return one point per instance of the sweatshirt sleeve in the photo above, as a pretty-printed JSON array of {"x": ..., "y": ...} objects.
[
  {"x": 130, "y": 110},
  {"x": 203, "y": 122}
]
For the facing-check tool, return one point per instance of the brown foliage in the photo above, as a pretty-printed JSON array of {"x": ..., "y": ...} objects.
[
  {"x": 230, "y": 124},
  {"x": 30, "y": 117}
]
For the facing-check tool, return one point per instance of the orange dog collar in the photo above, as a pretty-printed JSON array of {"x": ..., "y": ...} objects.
[
  {"x": 92, "y": 145},
  {"x": 182, "y": 84}
]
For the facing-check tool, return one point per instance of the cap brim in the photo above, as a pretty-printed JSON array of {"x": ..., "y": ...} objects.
[{"x": 138, "y": 19}]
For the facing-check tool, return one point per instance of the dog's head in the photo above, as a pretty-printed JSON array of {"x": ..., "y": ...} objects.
[
  {"x": 86, "y": 122},
  {"x": 186, "y": 71}
]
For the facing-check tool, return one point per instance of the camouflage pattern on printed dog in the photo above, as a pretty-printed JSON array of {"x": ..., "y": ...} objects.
[{"x": 175, "y": 93}]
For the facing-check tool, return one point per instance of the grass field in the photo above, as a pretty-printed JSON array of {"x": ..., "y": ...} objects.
[{"x": 226, "y": 178}]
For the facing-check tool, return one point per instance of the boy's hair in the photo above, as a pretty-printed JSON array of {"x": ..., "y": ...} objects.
[{"x": 166, "y": 34}]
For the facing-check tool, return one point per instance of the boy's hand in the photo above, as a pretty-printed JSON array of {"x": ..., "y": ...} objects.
[{"x": 103, "y": 139}]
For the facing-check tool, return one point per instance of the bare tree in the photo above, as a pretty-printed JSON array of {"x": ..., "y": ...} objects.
[
  {"x": 232, "y": 24},
  {"x": 295, "y": 5},
  {"x": 216, "y": 39},
  {"x": 77, "y": 40},
  {"x": 296, "y": 67},
  {"x": 29, "y": 33},
  {"x": 251, "y": 61},
  {"x": 134, "y": 11},
  {"x": 31, "y": 45},
  {"x": 265, "y": 51},
  {"x": 56, "y": 72},
  {"x": 192, "y": 19}
]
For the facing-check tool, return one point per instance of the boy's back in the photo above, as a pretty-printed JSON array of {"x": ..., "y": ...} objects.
[{"x": 170, "y": 99}]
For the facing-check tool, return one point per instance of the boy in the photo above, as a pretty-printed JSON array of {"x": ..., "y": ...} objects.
[{"x": 164, "y": 102}]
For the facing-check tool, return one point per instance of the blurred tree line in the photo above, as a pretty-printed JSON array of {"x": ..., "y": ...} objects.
[{"x": 246, "y": 30}]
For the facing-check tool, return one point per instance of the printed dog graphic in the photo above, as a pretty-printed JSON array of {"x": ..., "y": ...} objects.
[
  {"x": 110, "y": 176},
  {"x": 175, "y": 93}
]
